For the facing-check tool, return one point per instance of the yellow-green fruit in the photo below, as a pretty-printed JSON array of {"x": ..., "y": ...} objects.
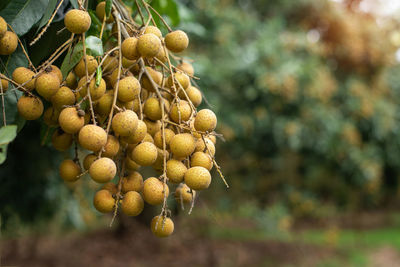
[
  {"x": 180, "y": 78},
  {"x": 131, "y": 165},
  {"x": 104, "y": 104},
  {"x": 96, "y": 92},
  {"x": 201, "y": 159},
  {"x": 197, "y": 178},
  {"x": 88, "y": 160},
  {"x": 101, "y": 11},
  {"x": 111, "y": 187},
  {"x": 125, "y": 123},
  {"x": 50, "y": 116},
  {"x": 145, "y": 154},
  {"x": 194, "y": 95},
  {"x": 176, "y": 41},
  {"x": 56, "y": 71},
  {"x": 201, "y": 146},
  {"x": 154, "y": 30},
  {"x": 110, "y": 63},
  {"x": 161, "y": 55},
  {"x": 132, "y": 203},
  {"x": 24, "y": 77},
  {"x": 155, "y": 75},
  {"x": 63, "y": 97},
  {"x": 61, "y": 140},
  {"x": 153, "y": 191},
  {"x": 128, "y": 89},
  {"x": 131, "y": 65},
  {"x": 132, "y": 182},
  {"x": 30, "y": 108},
  {"x": 70, "y": 121},
  {"x": 92, "y": 137},
  {"x": 70, "y": 81},
  {"x": 77, "y": 21},
  {"x": 148, "y": 138},
  {"x": 103, "y": 201},
  {"x": 8, "y": 43},
  {"x": 180, "y": 111},
  {"x": 158, "y": 138},
  {"x": 152, "y": 126},
  {"x": 47, "y": 85},
  {"x": 3, "y": 27},
  {"x": 158, "y": 165},
  {"x": 4, "y": 85},
  {"x": 112, "y": 147},
  {"x": 69, "y": 170},
  {"x": 183, "y": 195},
  {"x": 175, "y": 171},
  {"x": 129, "y": 48},
  {"x": 162, "y": 226},
  {"x": 152, "y": 109},
  {"x": 182, "y": 145},
  {"x": 103, "y": 170},
  {"x": 186, "y": 67},
  {"x": 148, "y": 45},
  {"x": 80, "y": 69},
  {"x": 205, "y": 121},
  {"x": 138, "y": 135}
]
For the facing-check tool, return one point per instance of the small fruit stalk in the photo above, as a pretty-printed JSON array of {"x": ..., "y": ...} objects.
[{"x": 135, "y": 105}]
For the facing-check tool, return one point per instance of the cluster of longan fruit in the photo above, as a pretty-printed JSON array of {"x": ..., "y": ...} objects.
[{"x": 145, "y": 114}]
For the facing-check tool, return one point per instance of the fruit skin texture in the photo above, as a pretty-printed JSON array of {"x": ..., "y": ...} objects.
[
  {"x": 205, "y": 121},
  {"x": 8, "y": 43},
  {"x": 103, "y": 201},
  {"x": 103, "y": 170},
  {"x": 63, "y": 97},
  {"x": 145, "y": 154},
  {"x": 129, "y": 48},
  {"x": 132, "y": 182},
  {"x": 198, "y": 178},
  {"x": 111, "y": 148},
  {"x": 30, "y": 108},
  {"x": 162, "y": 226},
  {"x": 132, "y": 203},
  {"x": 47, "y": 85},
  {"x": 61, "y": 141},
  {"x": 128, "y": 89},
  {"x": 3, "y": 27},
  {"x": 180, "y": 78},
  {"x": 131, "y": 165},
  {"x": 200, "y": 146},
  {"x": 110, "y": 186},
  {"x": 88, "y": 160},
  {"x": 152, "y": 109},
  {"x": 194, "y": 95},
  {"x": 4, "y": 85},
  {"x": 125, "y": 123},
  {"x": 152, "y": 126},
  {"x": 155, "y": 75},
  {"x": 186, "y": 67},
  {"x": 201, "y": 159},
  {"x": 148, "y": 45},
  {"x": 183, "y": 195},
  {"x": 153, "y": 191},
  {"x": 80, "y": 69},
  {"x": 182, "y": 145},
  {"x": 138, "y": 135},
  {"x": 70, "y": 81},
  {"x": 185, "y": 111},
  {"x": 77, "y": 21},
  {"x": 70, "y": 121},
  {"x": 158, "y": 140},
  {"x": 23, "y": 75},
  {"x": 154, "y": 30},
  {"x": 101, "y": 12},
  {"x": 96, "y": 92},
  {"x": 69, "y": 170},
  {"x": 177, "y": 41},
  {"x": 92, "y": 137},
  {"x": 175, "y": 171}
]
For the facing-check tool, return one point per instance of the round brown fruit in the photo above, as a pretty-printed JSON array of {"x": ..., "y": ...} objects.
[
  {"x": 110, "y": 186},
  {"x": 4, "y": 85},
  {"x": 176, "y": 41},
  {"x": 158, "y": 165},
  {"x": 30, "y": 108},
  {"x": 103, "y": 170},
  {"x": 129, "y": 48},
  {"x": 3, "y": 27},
  {"x": 152, "y": 109},
  {"x": 197, "y": 178},
  {"x": 77, "y": 21},
  {"x": 128, "y": 89},
  {"x": 101, "y": 12},
  {"x": 96, "y": 92},
  {"x": 80, "y": 69},
  {"x": 175, "y": 171},
  {"x": 103, "y": 201},
  {"x": 104, "y": 104},
  {"x": 148, "y": 45},
  {"x": 132, "y": 182},
  {"x": 138, "y": 135},
  {"x": 70, "y": 120},
  {"x": 183, "y": 109},
  {"x": 145, "y": 154},
  {"x": 152, "y": 126},
  {"x": 158, "y": 138},
  {"x": 24, "y": 77},
  {"x": 205, "y": 121},
  {"x": 132, "y": 203},
  {"x": 162, "y": 226},
  {"x": 111, "y": 148},
  {"x": 69, "y": 170},
  {"x": 201, "y": 159},
  {"x": 153, "y": 191},
  {"x": 131, "y": 165},
  {"x": 70, "y": 81},
  {"x": 63, "y": 97},
  {"x": 182, "y": 145},
  {"x": 92, "y": 137},
  {"x": 154, "y": 30},
  {"x": 125, "y": 123},
  {"x": 180, "y": 78},
  {"x": 194, "y": 95},
  {"x": 183, "y": 195},
  {"x": 88, "y": 160},
  {"x": 186, "y": 67},
  {"x": 47, "y": 85},
  {"x": 201, "y": 146},
  {"x": 8, "y": 43},
  {"x": 61, "y": 140},
  {"x": 155, "y": 75}
]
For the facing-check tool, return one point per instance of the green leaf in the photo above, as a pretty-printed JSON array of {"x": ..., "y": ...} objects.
[
  {"x": 71, "y": 59},
  {"x": 99, "y": 74},
  {"x": 7, "y": 134},
  {"x": 94, "y": 45},
  {"x": 95, "y": 19},
  {"x": 108, "y": 7},
  {"x": 74, "y": 4},
  {"x": 47, "y": 14},
  {"x": 3, "y": 153}
]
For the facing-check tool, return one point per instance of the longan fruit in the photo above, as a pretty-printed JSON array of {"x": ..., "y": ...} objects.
[
  {"x": 159, "y": 163},
  {"x": 3, "y": 27},
  {"x": 201, "y": 159},
  {"x": 205, "y": 121},
  {"x": 92, "y": 137},
  {"x": 128, "y": 89},
  {"x": 125, "y": 123},
  {"x": 103, "y": 201},
  {"x": 158, "y": 138},
  {"x": 213, "y": 139},
  {"x": 180, "y": 78},
  {"x": 148, "y": 45},
  {"x": 132, "y": 203},
  {"x": 132, "y": 182},
  {"x": 152, "y": 126},
  {"x": 47, "y": 85},
  {"x": 61, "y": 141},
  {"x": 175, "y": 171},
  {"x": 129, "y": 48},
  {"x": 110, "y": 63},
  {"x": 50, "y": 116},
  {"x": 154, "y": 30},
  {"x": 111, "y": 187},
  {"x": 70, "y": 120},
  {"x": 24, "y": 77},
  {"x": 131, "y": 165},
  {"x": 101, "y": 12},
  {"x": 88, "y": 160},
  {"x": 197, "y": 178},
  {"x": 111, "y": 148},
  {"x": 130, "y": 65},
  {"x": 77, "y": 21},
  {"x": 194, "y": 95},
  {"x": 162, "y": 226},
  {"x": 80, "y": 69},
  {"x": 182, "y": 145},
  {"x": 161, "y": 55},
  {"x": 63, "y": 97},
  {"x": 183, "y": 194},
  {"x": 70, "y": 81},
  {"x": 104, "y": 104},
  {"x": 138, "y": 135},
  {"x": 181, "y": 108},
  {"x": 153, "y": 191},
  {"x": 152, "y": 109},
  {"x": 69, "y": 170},
  {"x": 148, "y": 138},
  {"x": 8, "y": 43},
  {"x": 30, "y": 108},
  {"x": 103, "y": 170},
  {"x": 4, "y": 85},
  {"x": 155, "y": 75},
  {"x": 187, "y": 68},
  {"x": 56, "y": 71},
  {"x": 96, "y": 92},
  {"x": 201, "y": 146},
  {"x": 145, "y": 154},
  {"x": 176, "y": 41}
]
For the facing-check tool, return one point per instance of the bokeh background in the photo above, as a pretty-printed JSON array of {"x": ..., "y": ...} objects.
[{"x": 307, "y": 95}]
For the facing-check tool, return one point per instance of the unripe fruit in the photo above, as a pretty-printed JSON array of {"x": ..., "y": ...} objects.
[
  {"x": 8, "y": 43},
  {"x": 50, "y": 116},
  {"x": 131, "y": 165},
  {"x": 153, "y": 191},
  {"x": 129, "y": 48},
  {"x": 132, "y": 203},
  {"x": 155, "y": 75},
  {"x": 104, "y": 104},
  {"x": 61, "y": 141},
  {"x": 175, "y": 171},
  {"x": 194, "y": 95},
  {"x": 183, "y": 194},
  {"x": 154, "y": 30},
  {"x": 128, "y": 89},
  {"x": 24, "y": 77},
  {"x": 56, "y": 71},
  {"x": 180, "y": 111},
  {"x": 158, "y": 138},
  {"x": 69, "y": 170},
  {"x": 101, "y": 12},
  {"x": 3, "y": 27},
  {"x": 63, "y": 97},
  {"x": 162, "y": 226},
  {"x": 70, "y": 121},
  {"x": 125, "y": 123},
  {"x": 182, "y": 145},
  {"x": 186, "y": 67},
  {"x": 70, "y": 81},
  {"x": 96, "y": 92},
  {"x": 138, "y": 135},
  {"x": 111, "y": 187},
  {"x": 103, "y": 201},
  {"x": 201, "y": 146},
  {"x": 77, "y": 21},
  {"x": 4, "y": 85},
  {"x": 180, "y": 78},
  {"x": 92, "y": 137},
  {"x": 111, "y": 148},
  {"x": 197, "y": 178},
  {"x": 201, "y": 159},
  {"x": 148, "y": 45},
  {"x": 80, "y": 69},
  {"x": 152, "y": 109},
  {"x": 145, "y": 154},
  {"x": 205, "y": 121},
  {"x": 176, "y": 41},
  {"x": 30, "y": 108},
  {"x": 88, "y": 160},
  {"x": 47, "y": 85},
  {"x": 132, "y": 182},
  {"x": 152, "y": 126},
  {"x": 103, "y": 170}
]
